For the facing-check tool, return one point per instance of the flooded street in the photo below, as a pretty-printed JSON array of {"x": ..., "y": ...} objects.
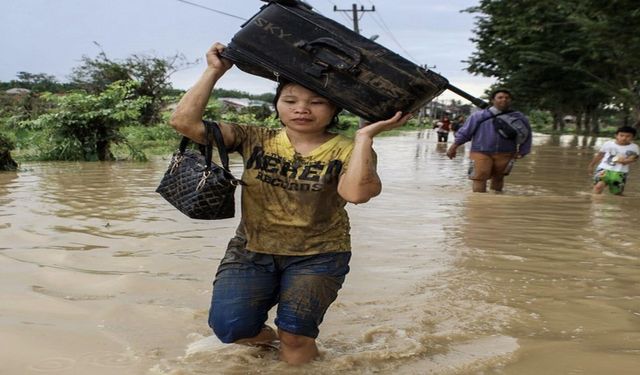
[{"x": 99, "y": 275}]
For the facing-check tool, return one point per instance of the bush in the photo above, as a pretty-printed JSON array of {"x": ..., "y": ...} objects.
[
  {"x": 540, "y": 121},
  {"x": 6, "y": 146},
  {"x": 84, "y": 126},
  {"x": 159, "y": 139}
]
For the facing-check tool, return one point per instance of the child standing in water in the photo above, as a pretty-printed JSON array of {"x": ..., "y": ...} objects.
[{"x": 613, "y": 161}]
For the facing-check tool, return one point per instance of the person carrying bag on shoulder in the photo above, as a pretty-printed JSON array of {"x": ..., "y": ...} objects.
[{"x": 498, "y": 136}]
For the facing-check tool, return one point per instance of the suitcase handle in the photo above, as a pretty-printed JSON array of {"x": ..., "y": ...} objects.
[
  {"x": 476, "y": 101},
  {"x": 318, "y": 49}
]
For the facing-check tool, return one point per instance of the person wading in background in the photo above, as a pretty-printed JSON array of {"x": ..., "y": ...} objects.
[
  {"x": 491, "y": 155},
  {"x": 444, "y": 126}
]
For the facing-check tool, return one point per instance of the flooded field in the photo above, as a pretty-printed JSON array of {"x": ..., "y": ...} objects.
[{"x": 100, "y": 276}]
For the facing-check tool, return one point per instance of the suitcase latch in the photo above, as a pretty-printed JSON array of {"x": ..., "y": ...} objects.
[
  {"x": 329, "y": 53},
  {"x": 317, "y": 70}
]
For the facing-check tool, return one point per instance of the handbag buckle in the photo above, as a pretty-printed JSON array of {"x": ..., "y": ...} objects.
[
  {"x": 203, "y": 180},
  {"x": 174, "y": 164}
]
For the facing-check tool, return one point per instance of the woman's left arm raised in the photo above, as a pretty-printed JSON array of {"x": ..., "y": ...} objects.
[{"x": 361, "y": 181}]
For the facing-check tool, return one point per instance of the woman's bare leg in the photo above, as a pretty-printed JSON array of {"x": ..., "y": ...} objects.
[{"x": 296, "y": 349}]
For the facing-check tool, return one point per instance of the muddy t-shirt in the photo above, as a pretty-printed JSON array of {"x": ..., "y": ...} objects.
[{"x": 290, "y": 203}]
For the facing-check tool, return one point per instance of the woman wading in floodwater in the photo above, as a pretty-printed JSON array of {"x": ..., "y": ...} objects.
[{"x": 292, "y": 247}]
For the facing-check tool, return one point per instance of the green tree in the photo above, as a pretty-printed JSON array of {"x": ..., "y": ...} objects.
[
  {"x": 225, "y": 93},
  {"x": 83, "y": 126},
  {"x": 613, "y": 46},
  {"x": 38, "y": 82},
  {"x": 553, "y": 53},
  {"x": 152, "y": 74}
]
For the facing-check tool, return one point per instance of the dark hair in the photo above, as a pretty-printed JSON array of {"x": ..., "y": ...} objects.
[
  {"x": 497, "y": 91},
  {"x": 627, "y": 129},
  {"x": 335, "y": 120}
]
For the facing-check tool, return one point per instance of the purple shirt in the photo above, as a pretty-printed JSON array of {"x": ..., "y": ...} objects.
[{"x": 484, "y": 137}]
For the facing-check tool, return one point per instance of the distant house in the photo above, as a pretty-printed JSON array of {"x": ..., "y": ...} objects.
[
  {"x": 17, "y": 96},
  {"x": 240, "y": 103},
  {"x": 569, "y": 119},
  {"x": 17, "y": 91}
]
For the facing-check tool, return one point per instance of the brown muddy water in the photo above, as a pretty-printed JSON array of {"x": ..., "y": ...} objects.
[{"x": 98, "y": 275}]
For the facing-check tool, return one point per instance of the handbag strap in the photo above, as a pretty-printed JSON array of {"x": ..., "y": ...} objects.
[
  {"x": 213, "y": 129},
  {"x": 212, "y": 132}
]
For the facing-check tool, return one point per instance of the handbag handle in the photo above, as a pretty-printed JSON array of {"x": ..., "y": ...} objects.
[{"x": 212, "y": 132}]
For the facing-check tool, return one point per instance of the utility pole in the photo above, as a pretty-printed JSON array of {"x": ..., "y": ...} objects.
[{"x": 354, "y": 10}]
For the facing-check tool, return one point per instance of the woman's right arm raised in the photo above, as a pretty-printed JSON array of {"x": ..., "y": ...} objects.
[{"x": 187, "y": 117}]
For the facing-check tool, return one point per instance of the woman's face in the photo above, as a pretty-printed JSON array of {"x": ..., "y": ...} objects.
[{"x": 303, "y": 110}]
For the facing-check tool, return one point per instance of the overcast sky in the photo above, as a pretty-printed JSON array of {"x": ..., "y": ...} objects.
[{"x": 50, "y": 36}]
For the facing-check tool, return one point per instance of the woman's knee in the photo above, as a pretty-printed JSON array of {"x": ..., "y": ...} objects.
[{"x": 231, "y": 328}]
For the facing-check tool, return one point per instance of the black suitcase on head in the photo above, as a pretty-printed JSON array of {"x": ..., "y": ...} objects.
[{"x": 288, "y": 39}]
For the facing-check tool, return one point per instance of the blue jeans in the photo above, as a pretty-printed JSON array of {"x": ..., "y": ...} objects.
[{"x": 249, "y": 284}]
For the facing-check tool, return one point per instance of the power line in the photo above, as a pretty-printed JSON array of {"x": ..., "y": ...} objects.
[
  {"x": 211, "y": 9},
  {"x": 377, "y": 18},
  {"x": 329, "y": 1},
  {"x": 386, "y": 29}
]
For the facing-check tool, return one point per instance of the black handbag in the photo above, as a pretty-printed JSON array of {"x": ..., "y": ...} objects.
[{"x": 195, "y": 185}]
